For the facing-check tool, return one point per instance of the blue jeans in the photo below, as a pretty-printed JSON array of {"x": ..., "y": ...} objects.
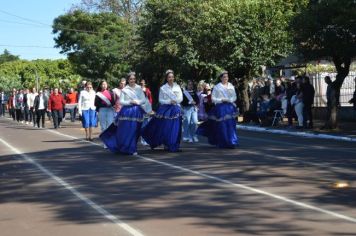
[
  {"x": 106, "y": 117},
  {"x": 73, "y": 113},
  {"x": 190, "y": 122}
]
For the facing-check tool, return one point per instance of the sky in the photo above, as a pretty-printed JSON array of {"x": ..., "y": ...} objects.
[{"x": 25, "y": 37}]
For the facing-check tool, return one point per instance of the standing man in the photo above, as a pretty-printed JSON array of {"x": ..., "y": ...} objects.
[
  {"x": 56, "y": 104},
  {"x": 12, "y": 104},
  {"x": 26, "y": 111},
  {"x": 30, "y": 103},
  {"x": 308, "y": 100},
  {"x": 71, "y": 103},
  {"x": 40, "y": 106}
]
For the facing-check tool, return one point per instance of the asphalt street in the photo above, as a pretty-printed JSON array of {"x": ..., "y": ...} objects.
[{"x": 55, "y": 183}]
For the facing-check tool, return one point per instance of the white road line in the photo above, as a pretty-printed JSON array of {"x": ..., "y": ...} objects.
[
  {"x": 99, "y": 209},
  {"x": 240, "y": 186}
]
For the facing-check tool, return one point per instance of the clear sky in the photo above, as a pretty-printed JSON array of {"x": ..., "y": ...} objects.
[{"x": 28, "y": 39}]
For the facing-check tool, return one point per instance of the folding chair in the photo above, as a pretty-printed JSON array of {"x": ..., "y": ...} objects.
[{"x": 278, "y": 117}]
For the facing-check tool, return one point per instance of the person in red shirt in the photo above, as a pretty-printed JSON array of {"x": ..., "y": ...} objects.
[
  {"x": 56, "y": 104},
  {"x": 71, "y": 103}
]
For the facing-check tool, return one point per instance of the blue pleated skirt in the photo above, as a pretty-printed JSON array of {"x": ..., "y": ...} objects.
[
  {"x": 220, "y": 128},
  {"x": 123, "y": 134},
  {"x": 89, "y": 118},
  {"x": 165, "y": 128}
]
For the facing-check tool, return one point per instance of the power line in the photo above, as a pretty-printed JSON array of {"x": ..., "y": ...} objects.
[
  {"x": 24, "y": 46},
  {"x": 22, "y": 23}
]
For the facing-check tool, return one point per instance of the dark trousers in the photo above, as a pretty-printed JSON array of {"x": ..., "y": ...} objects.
[
  {"x": 12, "y": 113},
  {"x": 27, "y": 114},
  {"x": 40, "y": 116},
  {"x": 19, "y": 115},
  {"x": 33, "y": 117},
  {"x": 57, "y": 116},
  {"x": 3, "y": 109},
  {"x": 73, "y": 113},
  {"x": 307, "y": 115}
]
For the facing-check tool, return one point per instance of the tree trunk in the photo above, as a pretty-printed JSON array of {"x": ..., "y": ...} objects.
[{"x": 342, "y": 65}]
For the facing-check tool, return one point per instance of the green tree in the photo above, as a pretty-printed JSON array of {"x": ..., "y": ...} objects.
[
  {"x": 327, "y": 29},
  {"x": 200, "y": 37},
  {"x": 99, "y": 45},
  {"x": 7, "y": 56},
  {"x": 51, "y": 73}
]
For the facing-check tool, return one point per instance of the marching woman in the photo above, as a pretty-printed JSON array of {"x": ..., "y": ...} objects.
[
  {"x": 123, "y": 136},
  {"x": 87, "y": 110},
  {"x": 166, "y": 125},
  {"x": 104, "y": 102},
  {"x": 220, "y": 128}
]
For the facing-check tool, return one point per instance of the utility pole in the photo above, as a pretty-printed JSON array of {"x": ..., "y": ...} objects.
[{"x": 37, "y": 81}]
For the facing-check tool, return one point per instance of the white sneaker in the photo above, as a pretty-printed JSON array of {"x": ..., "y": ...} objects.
[
  {"x": 105, "y": 147},
  {"x": 195, "y": 139},
  {"x": 190, "y": 140},
  {"x": 26, "y": 122},
  {"x": 185, "y": 139},
  {"x": 134, "y": 154}
]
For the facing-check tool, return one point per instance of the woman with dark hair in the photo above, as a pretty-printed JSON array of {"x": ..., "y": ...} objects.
[
  {"x": 166, "y": 125},
  {"x": 87, "y": 110},
  {"x": 220, "y": 128},
  {"x": 104, "y": 103},
  {"x": 123, "y": 136}
]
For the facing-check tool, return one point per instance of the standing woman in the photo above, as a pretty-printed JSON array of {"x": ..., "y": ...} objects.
[
  {"x": 297, "y": 101},
  {"x": 166, "y": 125},
  {"x": 220, "y": 128},
  {"x": 117, "y": 94},
  {"x": 104, "y": 102},
  {"x": 87, "y": 110},
  {"x": 123, "y": 137}
]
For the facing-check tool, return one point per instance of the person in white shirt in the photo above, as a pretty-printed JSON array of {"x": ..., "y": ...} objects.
[
  {"x": 166, "y": 125},
  {"x": 30, "y": 103},
  {"x": 220, "y": 128},
  {"x": 87, "y": 110},
  {"x": 117, "y": 95},
  {"x": 123, "y": 136}
]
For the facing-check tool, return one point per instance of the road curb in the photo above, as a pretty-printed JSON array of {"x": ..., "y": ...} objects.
[{"x": 297, "y": 133}]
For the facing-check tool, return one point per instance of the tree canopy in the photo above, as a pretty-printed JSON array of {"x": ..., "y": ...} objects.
[
  {"x": 6, "y": 56},
  {"x": 99, "y": 45}
]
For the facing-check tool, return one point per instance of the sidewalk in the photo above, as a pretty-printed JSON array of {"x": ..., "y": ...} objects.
[{"x": 345, "y": 132}]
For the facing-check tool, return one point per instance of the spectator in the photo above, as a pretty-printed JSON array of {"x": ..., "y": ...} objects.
[
  {"x": 279, "y": 89},
  {"x": 291, "y": 90},
  {"x": 56, "y": 104},
  {"x": 40, "y": 105},
  {"x": 308, "y": 100},
  {"x": 297, "y": 101},
  {"x": 71, "y": 103}
]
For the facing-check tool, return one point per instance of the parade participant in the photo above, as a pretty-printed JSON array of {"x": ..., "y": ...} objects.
[
  {"x": 87, "y": 110},
  {"x": 166, "y": 125},
  {"x": 12, "y": 104},
  {"x": 190, "y": 117},
  {"x": 71, "y": 103},
  {"x": 19, "y": 106},
  {"x": 123, "y": 136},
  {"x": 220, "y": 128},
  {"x": 56, "y": 104},
  {"x": 40, "y": 105},
  {"x": 117, "y": 94},
  {"x": 104, "y": 102},
  {"x": 30, "y": 102},
  {"x": 3, "y": 103}
]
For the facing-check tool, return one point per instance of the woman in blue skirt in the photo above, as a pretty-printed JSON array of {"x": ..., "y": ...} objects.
[
  {"x": 122, "y": 136},
  {"x": 220, "y": 128},
  {"x": 87, "y": 110},
  {"x": 165, "y": 127}
]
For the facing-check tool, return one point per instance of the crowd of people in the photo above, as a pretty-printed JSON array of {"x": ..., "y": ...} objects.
[
  {"x": 125, "y": 113},
  {"x": 294, "y": 96}
]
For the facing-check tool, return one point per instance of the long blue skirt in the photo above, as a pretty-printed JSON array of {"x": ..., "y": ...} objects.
[
  {"x": 220, "y": 128},
  {"x": 123, "y": 134},
  {"x": 164, "y": 128}
]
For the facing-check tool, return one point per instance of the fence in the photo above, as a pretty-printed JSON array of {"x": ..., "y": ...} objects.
[{"x": 346, "y": 92}]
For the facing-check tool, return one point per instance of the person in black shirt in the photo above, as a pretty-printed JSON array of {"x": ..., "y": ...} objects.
[{"x": 308, "y": 100}]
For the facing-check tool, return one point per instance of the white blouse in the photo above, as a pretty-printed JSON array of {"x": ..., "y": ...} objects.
[
  {"x": 168, "y": 93},
  {"x": 129, "y": 94},
  {"x": 86, "y": 100},
  {"x": 223, "y": 93},
  {"x": 31, "y": 99}
]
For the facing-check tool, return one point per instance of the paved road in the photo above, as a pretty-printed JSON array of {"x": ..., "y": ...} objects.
[{"x": 54, "y": 183}]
